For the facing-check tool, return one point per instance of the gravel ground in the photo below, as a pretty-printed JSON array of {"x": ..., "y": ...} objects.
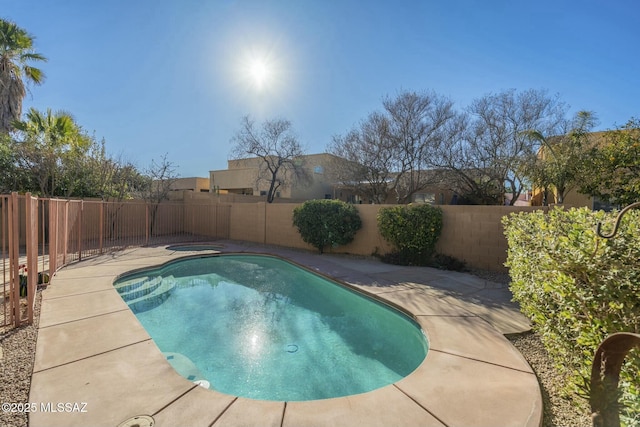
[
  {"x": 17, "y": 353},
  {"x": 17, "y": 350},
  {"x": 558, "y": 411}
]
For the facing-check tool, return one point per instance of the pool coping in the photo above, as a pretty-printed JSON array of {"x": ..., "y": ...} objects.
[{"x": 93, "y": 354}]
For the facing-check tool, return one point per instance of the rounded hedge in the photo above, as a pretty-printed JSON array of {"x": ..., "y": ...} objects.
[
  {"x": 577, "y": 289},
  {"x": 323, "y": 223},
  {"x": 413, "y": 230}
]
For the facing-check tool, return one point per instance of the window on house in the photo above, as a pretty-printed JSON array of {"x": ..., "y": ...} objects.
[
  {"x": 424, "y": 198},
  {"x": 599, "y": 205}
]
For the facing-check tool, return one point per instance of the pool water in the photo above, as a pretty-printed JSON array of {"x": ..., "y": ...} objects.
[{"x": 262, "y": 328}]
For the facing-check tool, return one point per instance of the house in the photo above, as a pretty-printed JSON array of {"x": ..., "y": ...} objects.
[
  {"x": 195, "y": 184},
  {"x": 243, "y": 176},
  {"x": 572, "y": 197}
]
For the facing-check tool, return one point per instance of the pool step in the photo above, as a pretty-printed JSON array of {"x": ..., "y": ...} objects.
[
  {"x": 185, "y": 367},
  {"x": 131, "y": 285},
  {"x": 145, "y": 288},
  {"x": 154, "y": 298}
]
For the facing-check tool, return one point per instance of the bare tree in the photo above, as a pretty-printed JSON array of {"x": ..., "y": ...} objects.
[
  {"x": 160, "y": 178},
  {"x": 370, "y": 159},
  {"x": 487, "y": 158},
  {"x": 391, "y": 150},
  {"x": 468, "y": 176},
  {"x": 279, "y": 150},
  {"x": 417, "y": 122}
]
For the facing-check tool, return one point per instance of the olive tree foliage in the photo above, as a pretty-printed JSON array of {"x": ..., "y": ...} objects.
[
  {"x": 612, "y": 170},
  {"x": 392, "y": 148},
  {"x": 109, "y": 178},
  {"x": 16, "y": 56},
  {"x": 278, "y": 149},
  {"x": 558, "y": 165},
  {"x": 12, "y": 176}
]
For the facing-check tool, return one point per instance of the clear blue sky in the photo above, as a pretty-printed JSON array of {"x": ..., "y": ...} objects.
[{"x": 174, "y": 76}]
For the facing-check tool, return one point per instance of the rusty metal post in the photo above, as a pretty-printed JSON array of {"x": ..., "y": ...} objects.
[
  {"x": 31, "y": 223},
  {"x": 101, "y": 225},
  {"x": 607, "y": 362},
  {"x": 80, "y": 230},
  {"x": 605, "y": 374},
  {"x": 14, "y": 255}
]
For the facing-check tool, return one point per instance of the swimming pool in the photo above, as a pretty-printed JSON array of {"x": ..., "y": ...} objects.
[
  {"x": 263, "y": 328},
  {"x": 194, "y": 247}
]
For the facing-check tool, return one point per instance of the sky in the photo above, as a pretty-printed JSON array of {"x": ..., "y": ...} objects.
[{"x": 176, "y": 77}]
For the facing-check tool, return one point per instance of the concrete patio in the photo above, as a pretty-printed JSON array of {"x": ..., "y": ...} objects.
[{"x": 92, "y": 351}]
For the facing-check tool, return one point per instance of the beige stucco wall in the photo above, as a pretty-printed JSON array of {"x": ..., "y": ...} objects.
[
  {"x": 247, "y": 222},
  {"x": 233, "y": 179},
  {"x": 196, "y": 184},
  {"x": 473, "y": 234}
]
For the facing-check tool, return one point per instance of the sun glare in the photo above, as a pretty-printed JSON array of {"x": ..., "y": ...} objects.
[
  {"x": 259, "y": 73},
  {"x": 258, "y": 70}
]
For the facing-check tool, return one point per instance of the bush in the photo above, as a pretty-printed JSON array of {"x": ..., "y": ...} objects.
[
  {"x": 578, "y": 288},
  {"x": 413, "y": 230},
  {"x": 323, "y": 223}
]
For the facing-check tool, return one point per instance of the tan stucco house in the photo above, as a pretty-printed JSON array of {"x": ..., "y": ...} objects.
[{"x": 242, "y": 177}]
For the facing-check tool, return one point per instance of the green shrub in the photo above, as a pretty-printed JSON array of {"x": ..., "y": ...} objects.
[
  {"x": 413, "y": 230},
  {"x": 323, "y": 223},
  {"x": 578, "y": 288}
]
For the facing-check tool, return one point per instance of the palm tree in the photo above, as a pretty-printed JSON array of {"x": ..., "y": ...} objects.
[
  {"x": 16, "y": 52},
  {"x": 558, "y": 161},
  {"x": 49, "y": 145}
]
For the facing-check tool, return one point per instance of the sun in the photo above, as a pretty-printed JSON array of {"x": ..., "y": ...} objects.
[
  {"x": 258, "y": 69},
  {"x": 259, "y": 73}
]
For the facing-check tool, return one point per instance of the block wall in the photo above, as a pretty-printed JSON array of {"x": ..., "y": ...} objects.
[{"x": 473, "y": 234}]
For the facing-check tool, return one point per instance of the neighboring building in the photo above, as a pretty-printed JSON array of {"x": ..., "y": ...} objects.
[
  {"x": 241, "y": 177},
  {"x": 432, "y": 194},
  {"x": 573, "y": 198},
  {"x": 195, "y": 184}
]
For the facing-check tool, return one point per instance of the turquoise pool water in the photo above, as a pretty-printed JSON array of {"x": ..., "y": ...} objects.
[
  {"x": 194, "y": 247},
  {"x": 262, "y": 328}
]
